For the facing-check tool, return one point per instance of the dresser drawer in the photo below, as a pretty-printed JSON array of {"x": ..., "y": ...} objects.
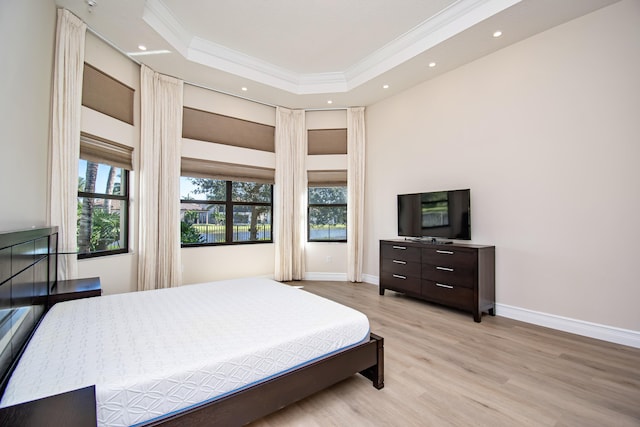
[
  {"x": 400, "y": 283},
  {"x": 447, "y": 257},
  {"x": 404, "y": 268},
  {"x": 449, "y": 274},
  {"x": 452, "y": 295},
  {"x": 399, "y": 251}
]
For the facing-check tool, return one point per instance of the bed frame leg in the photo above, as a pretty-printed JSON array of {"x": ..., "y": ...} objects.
[{"x": 376, "y": 372}]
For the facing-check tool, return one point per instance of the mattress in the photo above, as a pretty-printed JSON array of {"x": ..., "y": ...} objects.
[{"x": 158, "y": 352}]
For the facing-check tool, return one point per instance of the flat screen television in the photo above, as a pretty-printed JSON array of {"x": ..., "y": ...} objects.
[{"x": 436, "y": 214}]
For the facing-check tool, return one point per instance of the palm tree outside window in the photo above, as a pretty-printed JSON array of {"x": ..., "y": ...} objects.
[{"x": 103, "y": 204}]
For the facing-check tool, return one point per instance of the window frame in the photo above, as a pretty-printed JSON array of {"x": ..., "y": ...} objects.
[
  {"x": 326, "y": 205},
  {"x": 229, "y": 204},
  {"x": 124, "y": 199}
]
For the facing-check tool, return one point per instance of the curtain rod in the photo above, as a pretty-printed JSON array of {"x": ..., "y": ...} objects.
[{"x": 104, "y": 39}]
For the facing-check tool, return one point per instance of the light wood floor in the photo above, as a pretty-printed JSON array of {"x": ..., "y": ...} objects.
[{"x": 443, "y": 369}]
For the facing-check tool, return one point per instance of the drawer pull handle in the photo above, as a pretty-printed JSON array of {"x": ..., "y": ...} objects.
[
  {"x": 396, "y": 261},
  {"x": 402, "y": 248},
  {"x": 444, "y": 268},
  {"x": 445, "y": 252},
  {"x": 397, "y": 276},
  {"x": 442, "y": 285}
]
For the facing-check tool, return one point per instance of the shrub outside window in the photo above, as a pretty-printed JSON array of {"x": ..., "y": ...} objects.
[
  {"x": 214, "y": 212},
  {"x": 103, "y": 205},
  {"x": 327, "y": 214}
]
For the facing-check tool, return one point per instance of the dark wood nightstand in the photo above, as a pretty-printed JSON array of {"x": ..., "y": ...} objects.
[{"x": 66, "y": 290}]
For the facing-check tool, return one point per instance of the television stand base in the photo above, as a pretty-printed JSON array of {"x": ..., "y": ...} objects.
[
  {"x": 459, "y": 275},
  {"x": 429, "y": 240}
]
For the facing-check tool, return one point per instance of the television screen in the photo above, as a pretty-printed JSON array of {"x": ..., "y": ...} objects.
[{"x": 443, "y": 214}]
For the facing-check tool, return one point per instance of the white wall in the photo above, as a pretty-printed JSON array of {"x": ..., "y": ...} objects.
[
  {"x": 204, "y": 264},
  {"x": 208, "y": 263},
  {"x": 326, "y": 260},
  {"x": 546, "y": 133},
  {"x": 118, "y": 273},
  {"x": 25, "y": 110}
]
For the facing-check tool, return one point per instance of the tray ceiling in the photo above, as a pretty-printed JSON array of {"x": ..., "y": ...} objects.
[{"x": 305, "y": 53}]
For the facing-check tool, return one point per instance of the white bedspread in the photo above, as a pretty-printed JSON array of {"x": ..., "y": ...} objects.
[{"x": 156, "y": 352}]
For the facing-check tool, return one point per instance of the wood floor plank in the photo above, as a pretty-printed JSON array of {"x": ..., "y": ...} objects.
[{"x": 443, "y": 369}]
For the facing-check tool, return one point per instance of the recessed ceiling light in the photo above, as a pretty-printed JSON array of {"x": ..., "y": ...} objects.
[
  {"x": 497, "y": 34},
  {"x": 142, "y": 47},
  {"x": 244, "y": 89},
  {"x": 148, "y": 52},
  {"x": 385, "y": 87},
  {"x": 329, "y": 102},
  {"x": 432, "y": 64}
]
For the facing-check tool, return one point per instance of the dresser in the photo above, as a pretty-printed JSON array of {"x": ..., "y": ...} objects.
[{"x": 456, "y": 275}]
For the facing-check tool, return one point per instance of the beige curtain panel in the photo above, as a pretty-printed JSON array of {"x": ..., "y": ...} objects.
[
  {"x": 65, "y": 136},
  {"x": 355, "y": 192},
  {"x": 290, "y": 194},
  {"x": 159, "y": 263}
]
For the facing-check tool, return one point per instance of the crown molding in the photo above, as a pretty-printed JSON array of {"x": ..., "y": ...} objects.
[
  {"x": 217, "y": 56},
  {"x": 453, "y": 20},
  {"x": 456, "y": 18},
  {"x": 160, "y": 18}
]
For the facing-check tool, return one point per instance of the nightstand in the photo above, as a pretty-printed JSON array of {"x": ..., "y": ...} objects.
[
  {"x": 74, "y": 408},
  {"x": 66, "y": 290}
]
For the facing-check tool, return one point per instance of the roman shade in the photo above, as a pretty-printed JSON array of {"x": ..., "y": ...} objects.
[
  {"x": 226, "y": 171},
  {"x": 100, "y": 150},
  {"x": 212, "y": 127},
  {"x": 327, "y": 141},
  {"x": 327, "y": 178},
  {"x": 107, "y": 95}
]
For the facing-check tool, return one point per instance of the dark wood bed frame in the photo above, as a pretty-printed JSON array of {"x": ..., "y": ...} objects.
[{"x": 28, "y": 274}]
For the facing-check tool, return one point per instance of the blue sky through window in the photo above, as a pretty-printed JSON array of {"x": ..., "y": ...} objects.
[{"x": 101, "y": 179}]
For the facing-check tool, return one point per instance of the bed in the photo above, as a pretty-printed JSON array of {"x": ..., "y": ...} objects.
[{"x": 148, "y": 358}]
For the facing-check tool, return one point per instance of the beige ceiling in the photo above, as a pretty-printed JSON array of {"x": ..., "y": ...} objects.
[
  {"x": 303, "y": 53},
  {"x": 305, "y": 36}
]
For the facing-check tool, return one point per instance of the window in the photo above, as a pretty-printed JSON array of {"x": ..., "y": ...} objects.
[
  {"x": 103, "y": 205},
  {"x": 327, "y": 214},
  {"x": 215, "y": 211}
]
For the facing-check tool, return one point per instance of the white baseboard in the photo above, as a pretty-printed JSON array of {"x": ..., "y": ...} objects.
[
  {"x": 579, "y": 327},
  {"x": 574, "y": 326},
  {"x": 369, "y": 278},
  {"x": 340, "y": 277},
  {"x": 329, "y": 277}
]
